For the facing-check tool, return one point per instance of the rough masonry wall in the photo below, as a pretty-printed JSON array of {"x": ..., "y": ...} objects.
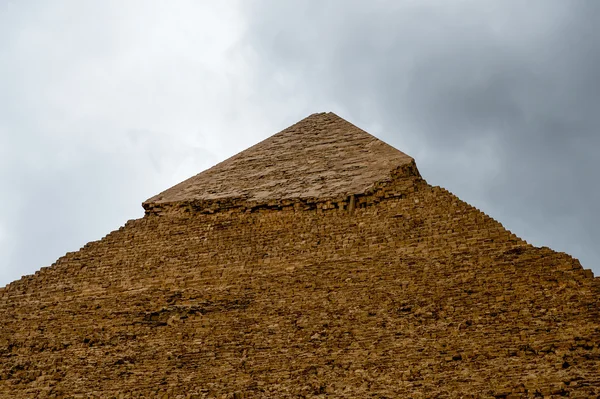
[{"x": 415, "y": 295}]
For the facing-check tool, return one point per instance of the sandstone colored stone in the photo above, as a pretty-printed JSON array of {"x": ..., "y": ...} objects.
[{"x": 318, "y": 263}]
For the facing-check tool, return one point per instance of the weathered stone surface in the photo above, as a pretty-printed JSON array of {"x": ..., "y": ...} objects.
[
  {"x": 399, "y": 290},
  {"x": 322, "y": 156}
]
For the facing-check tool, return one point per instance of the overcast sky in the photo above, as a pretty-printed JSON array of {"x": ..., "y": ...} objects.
[{"x": 105, "y": 103}]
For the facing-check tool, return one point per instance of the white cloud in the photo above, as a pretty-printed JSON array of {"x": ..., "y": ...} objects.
[{"x": 104, "y": 104}]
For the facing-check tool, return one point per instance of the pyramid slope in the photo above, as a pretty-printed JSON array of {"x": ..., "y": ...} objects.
[
  {"x": 422, "y": 296},
  {"x": 322, "y": 156},
  {"x": 409, "y": 293}
]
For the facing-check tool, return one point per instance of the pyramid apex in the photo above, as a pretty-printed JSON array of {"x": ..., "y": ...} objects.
[{"x": 321, "y": 156}]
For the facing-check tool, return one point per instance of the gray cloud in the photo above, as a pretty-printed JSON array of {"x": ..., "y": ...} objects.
[
  {"x": 104, "y": 104},
  {"x": 497, "y": 100}
]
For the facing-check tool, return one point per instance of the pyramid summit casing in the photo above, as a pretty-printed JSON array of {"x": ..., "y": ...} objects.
[
  {"x": 317, "y": 263},
  {"x": 322, "y": 156}
]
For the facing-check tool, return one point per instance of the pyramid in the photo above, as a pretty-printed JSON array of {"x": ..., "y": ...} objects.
[{"x": 318, "y": 263}]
